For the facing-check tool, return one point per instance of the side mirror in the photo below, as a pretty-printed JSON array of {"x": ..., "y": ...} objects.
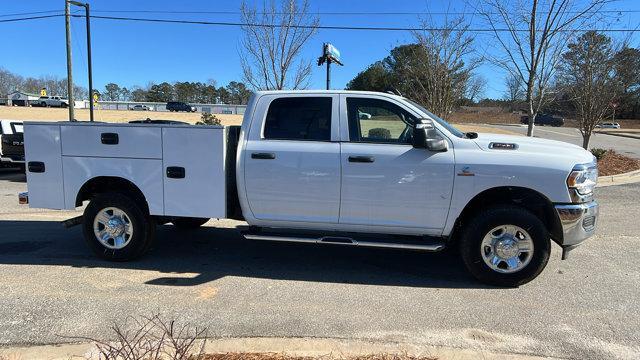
[{"x": 426, "y": 136}]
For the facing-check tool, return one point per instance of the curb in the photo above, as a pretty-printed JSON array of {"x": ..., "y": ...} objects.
[
  {"x": 620, "y": 179},
  {"x": 317, "y": 347},
  {"x": 626, "y": 135}
]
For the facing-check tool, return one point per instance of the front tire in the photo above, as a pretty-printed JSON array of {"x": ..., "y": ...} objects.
[
  {"x": 186, "y": 223},
  {"x": 505, "y": 246},
  {"x": 116, "y": 228}
]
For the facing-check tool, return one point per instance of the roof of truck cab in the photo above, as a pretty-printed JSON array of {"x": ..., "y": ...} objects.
[{"x": 281, "y": 92}]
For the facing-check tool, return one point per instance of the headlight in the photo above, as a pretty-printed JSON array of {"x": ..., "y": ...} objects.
[{"x": 583, "y": 178}]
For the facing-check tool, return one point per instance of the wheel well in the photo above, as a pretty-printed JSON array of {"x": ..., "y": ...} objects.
[
  {"x": 526, "y": 198},
  {"x": 102, "y": 184}
]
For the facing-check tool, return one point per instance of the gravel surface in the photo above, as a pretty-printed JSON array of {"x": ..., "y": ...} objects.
[{"x": 583, "y": 308}]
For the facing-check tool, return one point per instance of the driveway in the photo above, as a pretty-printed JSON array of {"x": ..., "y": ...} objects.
[
  {"x": 584, "y": 308},
  {"x": 623, "y": 145}
]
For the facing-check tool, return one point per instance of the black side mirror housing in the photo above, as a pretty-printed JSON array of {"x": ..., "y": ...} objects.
[{"x": 425, "y": 136}]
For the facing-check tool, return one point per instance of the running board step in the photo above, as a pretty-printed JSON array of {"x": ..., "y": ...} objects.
[{"x": 340, "y": 240}]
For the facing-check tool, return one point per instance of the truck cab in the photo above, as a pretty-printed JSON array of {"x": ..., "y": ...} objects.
[
  {"x": 11, "y": 144},
  {"x": 308, "y": 166}
]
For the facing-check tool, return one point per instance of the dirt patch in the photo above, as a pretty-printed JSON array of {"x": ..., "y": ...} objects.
[
  {"x": 121, "y": 116},
  {"x": 273, "y": 356},
  {"x": 483, "y": 117},
  {"x": 115, "y": 116},
  {"x": 483, "y": 129},
  {"x": 612, "y": 163}
]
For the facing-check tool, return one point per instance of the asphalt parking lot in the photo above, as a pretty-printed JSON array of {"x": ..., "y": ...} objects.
[
  {"x": 584, "y": 308},
  {"x": 624, "y": 145}
]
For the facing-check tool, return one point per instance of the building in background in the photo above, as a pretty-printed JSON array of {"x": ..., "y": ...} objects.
[{"x": 21, "y": 98}]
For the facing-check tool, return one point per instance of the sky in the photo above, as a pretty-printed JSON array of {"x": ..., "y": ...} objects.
[{"x": 136, "y": 53}]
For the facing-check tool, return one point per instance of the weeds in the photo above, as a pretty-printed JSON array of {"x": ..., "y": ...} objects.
[{"x": 152, "y": 338}]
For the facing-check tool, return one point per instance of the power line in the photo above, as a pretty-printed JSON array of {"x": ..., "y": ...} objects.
[
  {"x": 30, "y": 18},
  {"x": 30, "y": 13},
  {"x": 321, "y": 27},
  {"x": 326, "y": 27},
  {"x": 359, "y": 13},
  {"x": 332, "y": 13}
]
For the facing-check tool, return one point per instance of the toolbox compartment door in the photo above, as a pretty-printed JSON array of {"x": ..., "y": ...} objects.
[
  {"x": 44, "y": 179},
  {"x": 194, "y": 171},
  {"x": 129, "y": 141}
]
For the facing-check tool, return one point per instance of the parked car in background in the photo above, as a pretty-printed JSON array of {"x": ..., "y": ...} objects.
[
  {"x": 180, "y": 106},
  {"x": 51, "y": 101},
  {"x": 544, "y": 119},
  {"x": 305, "y": 167},
  {"x": 139, "y": 107},
  {"x": 608, "y": 125},
  {"x": 12, "y": 144}
]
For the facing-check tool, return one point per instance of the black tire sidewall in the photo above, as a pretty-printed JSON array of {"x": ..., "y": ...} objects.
[
  {"x": 489, "y": 219},
  {"x": 143, "y": 227}
]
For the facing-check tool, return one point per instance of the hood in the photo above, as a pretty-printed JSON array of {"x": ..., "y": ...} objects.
[{"x": 528, "y": 146}]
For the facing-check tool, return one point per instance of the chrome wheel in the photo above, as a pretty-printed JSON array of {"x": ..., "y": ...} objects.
[
  {"x": 112, "y": 227},
  {"x": 507, "y": 249}
]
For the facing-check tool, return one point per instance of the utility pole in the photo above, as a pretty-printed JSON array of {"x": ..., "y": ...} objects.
[
  {"x": 69, "y": 68},
  {"x": 67, "y": 23},
  {"x": 328, "y": 74}
]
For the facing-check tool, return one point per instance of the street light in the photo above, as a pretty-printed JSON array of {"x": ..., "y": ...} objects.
[{"x": 67, "y": 22}]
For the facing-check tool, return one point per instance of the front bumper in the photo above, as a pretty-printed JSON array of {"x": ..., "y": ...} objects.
[
  {"x": 12, "y": 159},
  {"x": 578, "y": 222}
]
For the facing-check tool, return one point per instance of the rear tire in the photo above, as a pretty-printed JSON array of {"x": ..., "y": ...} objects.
[
  {"x": 116, "y": 228},
  {"x": 186, "y": 223},
  {"x": 496, "y": 257}
]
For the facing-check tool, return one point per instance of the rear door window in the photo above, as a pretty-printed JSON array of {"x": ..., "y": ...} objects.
[{"x": 299, "y": 118}]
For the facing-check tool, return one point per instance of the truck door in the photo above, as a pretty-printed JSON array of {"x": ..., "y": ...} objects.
[
  {"x": 292, "y": 159},
  {"x": 385, "y": 180}
]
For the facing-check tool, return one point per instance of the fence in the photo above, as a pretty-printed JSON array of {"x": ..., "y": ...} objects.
[{"x": 160, "y": 106}]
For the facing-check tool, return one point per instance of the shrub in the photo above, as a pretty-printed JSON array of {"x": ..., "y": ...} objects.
[
  {"x": 598, "y": 153},
  {"x": 380, "y": 133},
  {"x": 208, "y": 119}
]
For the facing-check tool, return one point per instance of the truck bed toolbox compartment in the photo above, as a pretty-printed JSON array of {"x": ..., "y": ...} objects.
[
  {"x": 44, "y": 166},
  {"x": 129, "y": 141},
  {"x": 194, "y": 171}
]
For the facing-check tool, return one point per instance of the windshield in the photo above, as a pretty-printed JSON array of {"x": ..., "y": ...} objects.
[{"x": 440, "y": 121}]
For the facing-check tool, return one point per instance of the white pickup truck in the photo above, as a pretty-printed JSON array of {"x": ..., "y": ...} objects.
[
  {"x": 51, "y": 101},
  {"x": 305, "y": 166}
]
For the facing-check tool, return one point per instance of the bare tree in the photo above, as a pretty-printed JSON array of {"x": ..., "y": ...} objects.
[
  {"x": 587, "y": 76},
  {"x": 441, "y": 72},
  {"x": 514, "y": 91},
  {"x": 475, "y": 88},
  {"x": 272, "y": 44},
  {"x": 9, "y": 82},
  {"x": 532, "y": 35}
]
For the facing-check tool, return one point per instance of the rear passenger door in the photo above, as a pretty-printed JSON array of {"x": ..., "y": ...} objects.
[{"x": 292, "y": 159}]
